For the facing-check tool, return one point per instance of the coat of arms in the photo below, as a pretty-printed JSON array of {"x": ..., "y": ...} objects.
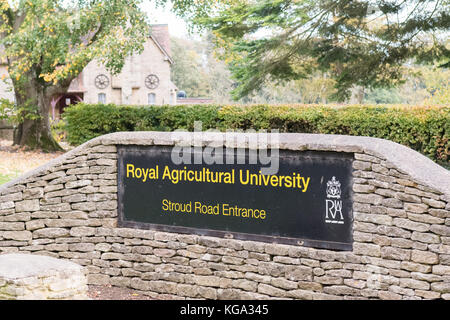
[{"x": 334, "y": 188}]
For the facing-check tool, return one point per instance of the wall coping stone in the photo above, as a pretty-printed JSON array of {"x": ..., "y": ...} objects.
[{"x": 406, "y": 160}]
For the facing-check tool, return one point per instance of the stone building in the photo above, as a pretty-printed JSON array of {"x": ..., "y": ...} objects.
[{"x": 145, "y": 78}]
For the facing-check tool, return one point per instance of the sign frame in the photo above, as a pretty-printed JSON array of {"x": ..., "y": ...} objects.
[{"x": 324, "y": 244}]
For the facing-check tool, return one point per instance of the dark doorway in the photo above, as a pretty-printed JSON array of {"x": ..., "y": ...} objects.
[{"x": 62, "y": 102}]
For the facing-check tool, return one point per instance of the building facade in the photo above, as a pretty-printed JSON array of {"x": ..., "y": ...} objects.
[{"x": 144, "y": 79}]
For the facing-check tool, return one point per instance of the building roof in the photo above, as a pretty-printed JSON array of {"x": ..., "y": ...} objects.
[{"x": 159, "y": 33}]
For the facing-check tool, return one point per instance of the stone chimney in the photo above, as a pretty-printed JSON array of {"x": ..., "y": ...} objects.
[{"x": 161, "y": 33}]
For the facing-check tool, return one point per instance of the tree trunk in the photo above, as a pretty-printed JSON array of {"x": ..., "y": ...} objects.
[
  {"x": 360, "y": 94},
  {"x": 35, "y": 132}
]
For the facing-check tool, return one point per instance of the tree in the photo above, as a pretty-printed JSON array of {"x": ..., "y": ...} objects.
[
  {"x": 47, "y": 43},
  {"x": 359, "y": 43},
  {"x": 198, "y": 72},
  {"x": 187, "y": 72}
]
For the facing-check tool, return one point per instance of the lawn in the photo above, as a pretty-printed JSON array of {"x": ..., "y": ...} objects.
[{"x": 5, "y": 178}]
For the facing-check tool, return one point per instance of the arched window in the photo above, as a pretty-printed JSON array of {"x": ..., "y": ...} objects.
[
  {"x": 102, "y": 98},
  {"x": 151, "y": 98}
]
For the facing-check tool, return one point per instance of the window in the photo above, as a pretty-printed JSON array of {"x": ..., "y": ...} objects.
[
  {"x": 102, "y": 98},
  {"x": 151, "y": 98}
]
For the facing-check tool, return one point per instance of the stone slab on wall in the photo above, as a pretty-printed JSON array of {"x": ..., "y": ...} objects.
[
  {"x": 34, "y": 277},
  {"x": 401, "y": 230}
]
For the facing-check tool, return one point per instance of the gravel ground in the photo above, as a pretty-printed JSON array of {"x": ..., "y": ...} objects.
[{"x": 15, "y": 160}]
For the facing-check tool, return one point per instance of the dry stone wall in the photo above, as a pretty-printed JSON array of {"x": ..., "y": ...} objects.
[{"x": 401, "y": 230}]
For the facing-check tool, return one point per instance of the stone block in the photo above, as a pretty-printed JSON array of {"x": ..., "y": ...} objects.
[
  {"x": 16, "y": 235},
  {"x": 370, "y": 198},
  {"x": 425, "y": 257},
  {"x": 80, "y": 197},
  {"x": 50, "y": 233},
  {"x": 440, "y": 230},
  {"x": 99, "y": 279},
  {"x": 78, "y": 184},
  {"x": 298, "y": 273},
  {"x": 271, "y": 290},
  {"x": 373, "y": 218},
  {"x": 391, "y": 231},
  {"x": 340, "y": 290},
  {"x": 362, "y": 165},
  {"x": 212, "y": 281},
  {"x": 425, "y": 218},
  {"x": 407, "y": 197},
  {"x": 16, "y": 196},
  {"x": 414, "y": 284},
  {"x": 441, "y": 270},
  {"x": 12, "y": 226},
  {"x": 434, "y": 203},
  {"x": 416, "y": 207},
  {"x": 395, "y": 253},
  {"x": 410, "y": 225},
  {"x": 442, "y": 287},
  {"x": 363, "y": 188},
  {"x": 82, "y": 231},
  {"x": 27, "y": 205},
  {"x": 415, "y": 267},
  {"x": 392, "y": 203},
  {"x": 367, "y": 249},
  {"x": 425, "y": 237},
  {"x": 33, "y": 193}
]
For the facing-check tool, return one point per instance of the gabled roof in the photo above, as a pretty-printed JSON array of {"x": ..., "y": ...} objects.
[
  {"x": 159, "y": 33},
  {"x": 162, "y": 49}
]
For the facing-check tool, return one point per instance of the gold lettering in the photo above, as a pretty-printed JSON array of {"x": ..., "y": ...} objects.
[
  {"x": 130, "y": 170},
  {"x": 305, "y": 184}
]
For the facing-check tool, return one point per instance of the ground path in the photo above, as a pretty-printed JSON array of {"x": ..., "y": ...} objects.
[{"x": 15, "y": 160}]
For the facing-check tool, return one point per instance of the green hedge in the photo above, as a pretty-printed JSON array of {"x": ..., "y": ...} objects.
[{"x": 425, "y": 129}]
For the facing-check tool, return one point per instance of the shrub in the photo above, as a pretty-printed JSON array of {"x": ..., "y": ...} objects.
[{"x": 425, "y": 129}]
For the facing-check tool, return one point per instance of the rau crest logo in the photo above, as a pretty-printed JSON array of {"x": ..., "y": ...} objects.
[{"x": 333, "y": 202}]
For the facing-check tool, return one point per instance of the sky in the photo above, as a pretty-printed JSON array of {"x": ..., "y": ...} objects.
[{"x": 177, "y": 26}]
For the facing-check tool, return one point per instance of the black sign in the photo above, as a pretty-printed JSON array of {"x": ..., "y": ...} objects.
[{"x": 308, "y": 201}]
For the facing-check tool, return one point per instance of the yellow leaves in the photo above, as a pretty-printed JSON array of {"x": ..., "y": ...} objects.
[
  {"x": 3, "y": 77},
  {"x": 46, "y": 77},
  {"x": 4, "y": 5}
]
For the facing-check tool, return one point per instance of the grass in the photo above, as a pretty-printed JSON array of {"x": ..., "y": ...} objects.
[{"x": 6, "y": 178}]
